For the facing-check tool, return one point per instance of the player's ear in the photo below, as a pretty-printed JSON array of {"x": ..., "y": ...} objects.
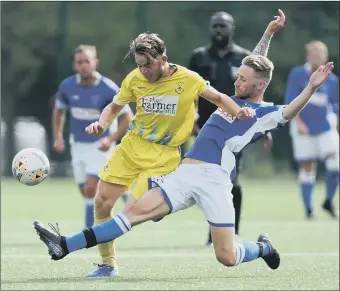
[
  {"x": 74, "y": 66},
  {"x": 97, "y": 63},
  {"x": 164, "y": 59},
  {"x": 263, "y": 84}
]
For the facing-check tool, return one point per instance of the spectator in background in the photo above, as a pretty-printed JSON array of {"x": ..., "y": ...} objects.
[{"x": 218, "y": 63}]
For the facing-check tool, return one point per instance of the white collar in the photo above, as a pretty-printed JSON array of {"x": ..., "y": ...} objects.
[
  {"x": 96, "y": 74},
  {"x": 308, "y": 67}
]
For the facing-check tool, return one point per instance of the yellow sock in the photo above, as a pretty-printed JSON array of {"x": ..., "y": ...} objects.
[{"x": 107, "y": 250}]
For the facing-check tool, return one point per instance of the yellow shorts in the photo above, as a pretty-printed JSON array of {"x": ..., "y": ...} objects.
[{"x": 135, "y": 160}]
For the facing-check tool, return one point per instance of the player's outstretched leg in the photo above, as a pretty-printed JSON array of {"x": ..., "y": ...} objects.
[
  {"x": 56, "y": 244},
  {"x": 59, "y": 246},
  {"x": 151, "y": 205},
  {"x": 272, "y": 259},
  {"x": 231, "y": 252}
]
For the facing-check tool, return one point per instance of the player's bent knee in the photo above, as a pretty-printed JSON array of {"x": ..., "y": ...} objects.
[
  {"x": 332, "y": 163},
  {"x": 226, "y": 258},
  {"x": 109, "y": 191},
  {"x": 225, "y": 255},
  {"x": 106, "y": 197}
]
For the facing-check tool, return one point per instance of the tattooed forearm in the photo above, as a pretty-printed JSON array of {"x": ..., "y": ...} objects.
[{"x": 263, "y": 46}]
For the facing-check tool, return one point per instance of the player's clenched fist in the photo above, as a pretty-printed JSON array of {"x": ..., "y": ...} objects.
[
  {"x": 246, "y": 112},
  {"x": 95, "y": 129}
]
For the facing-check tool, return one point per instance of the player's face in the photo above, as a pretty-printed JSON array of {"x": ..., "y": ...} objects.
[
  {"x": 246, "y": 84},
  {"x": 221, "y": 30},
  {"x": 85, "y": 64},
  {"x": 151, "y": 69},
  {"x": 316, "y": 57}
]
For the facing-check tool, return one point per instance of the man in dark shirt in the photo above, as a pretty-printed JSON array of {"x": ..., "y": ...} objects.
[{"x": 218, "y": 63}]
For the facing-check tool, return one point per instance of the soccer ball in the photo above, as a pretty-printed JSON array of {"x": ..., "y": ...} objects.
[{"x": 30, "y": 166}]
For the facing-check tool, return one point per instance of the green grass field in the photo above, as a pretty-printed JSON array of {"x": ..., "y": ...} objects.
[{"x": 170, "y": 254}]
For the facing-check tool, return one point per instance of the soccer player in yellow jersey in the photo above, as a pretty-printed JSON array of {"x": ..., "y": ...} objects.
[{"x": 164, "y": 94}]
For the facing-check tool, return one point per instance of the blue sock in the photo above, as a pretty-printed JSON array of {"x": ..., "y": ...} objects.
[
  {"x": 307, "y": 182},
  {"x": 332, "y": 182},
  {"x": 89, "y": 212},
  {"x": 252, "y": 250},
  {"x": 104, "y": 232},
  {"x": 247, "y": 251},
  {"x": 306, "y": 190}
]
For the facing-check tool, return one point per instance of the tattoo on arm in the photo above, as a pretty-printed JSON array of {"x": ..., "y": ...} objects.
[{"x": 263, "y": 46}]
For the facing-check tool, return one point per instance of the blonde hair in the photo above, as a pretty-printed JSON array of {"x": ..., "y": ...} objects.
[
  {"x": 148, "y": 44},
  {"x": 262, "y": 66},
  {"x": 316, "y": 44},
  {"x": 86, "y": 48}
]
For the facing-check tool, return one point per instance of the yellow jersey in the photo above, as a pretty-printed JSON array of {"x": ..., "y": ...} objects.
[{"x": 165, "y": 110}]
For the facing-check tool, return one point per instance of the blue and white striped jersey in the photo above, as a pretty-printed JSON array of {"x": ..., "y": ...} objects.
[
  {"x": 85, "y": 104},
  {"x": 325, "y": 99},
  {"x": 223, "y": 136}
]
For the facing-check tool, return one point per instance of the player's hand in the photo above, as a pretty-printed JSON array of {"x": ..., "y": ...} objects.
[
  {"x": 268, "y": 142},
  {"x": 105, "y": 143},
  {"x": 302, "y": 128},
  {"x": 95, "y": 129},
  {"x": 320, "y": 75},
  {"x": 59, "y": 145},
  {"x": 245, "y": 113},
  {"x": 276, "y": 24}
]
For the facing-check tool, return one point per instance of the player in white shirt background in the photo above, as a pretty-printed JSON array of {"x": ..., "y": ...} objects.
[{"x": 84, "y": 95}]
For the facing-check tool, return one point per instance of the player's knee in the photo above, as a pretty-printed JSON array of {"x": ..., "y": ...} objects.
[
  {"x": 332, "y": 163},
  {"x": 108, "y": 192},
  {"x": 82, "y": 188},
  {"x": 103, "y": 202},
  {"x": 90, "y": 191},
  {"x": 307, "y": 176},
  {"x": 226, "y": 257},
  {"x": 308, "y": 166}
]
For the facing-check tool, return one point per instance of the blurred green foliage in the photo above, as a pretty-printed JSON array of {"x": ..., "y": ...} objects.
[{"x": 37, "y": 40}]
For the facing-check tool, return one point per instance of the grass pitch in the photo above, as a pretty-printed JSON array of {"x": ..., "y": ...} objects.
[{"x": 170, "y": 254}]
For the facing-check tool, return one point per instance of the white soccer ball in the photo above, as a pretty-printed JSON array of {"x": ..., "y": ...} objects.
[{"x": 30, "y": 166}]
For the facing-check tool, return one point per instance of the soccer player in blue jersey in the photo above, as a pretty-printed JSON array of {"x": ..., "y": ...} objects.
[
  {"x": 313, "y": 135},
  {"x": 84, "y": 95},
  {"x": 204, "y": 177}
]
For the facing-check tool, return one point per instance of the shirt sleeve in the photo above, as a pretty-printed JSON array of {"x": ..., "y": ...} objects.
[
  {"x": 113, "y": 90},
  {"x": 279, "y": 115},
  {"x": 334, "y": 95},
  {"x": 202, "y": 84},
  {"x": 292, "y": 88},
  {"x": 270, "y": 118},
  {"x": 61, "y": 101},
  {"x": 125, "y": 95}
]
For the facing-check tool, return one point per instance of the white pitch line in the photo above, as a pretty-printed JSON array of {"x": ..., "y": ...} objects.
[{"x": 155, "y": 255}]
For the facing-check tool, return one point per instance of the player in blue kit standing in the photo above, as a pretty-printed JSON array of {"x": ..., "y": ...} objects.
[
  {"x": 85, "y": 95},
  {"x": 314, "y": 137}
]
